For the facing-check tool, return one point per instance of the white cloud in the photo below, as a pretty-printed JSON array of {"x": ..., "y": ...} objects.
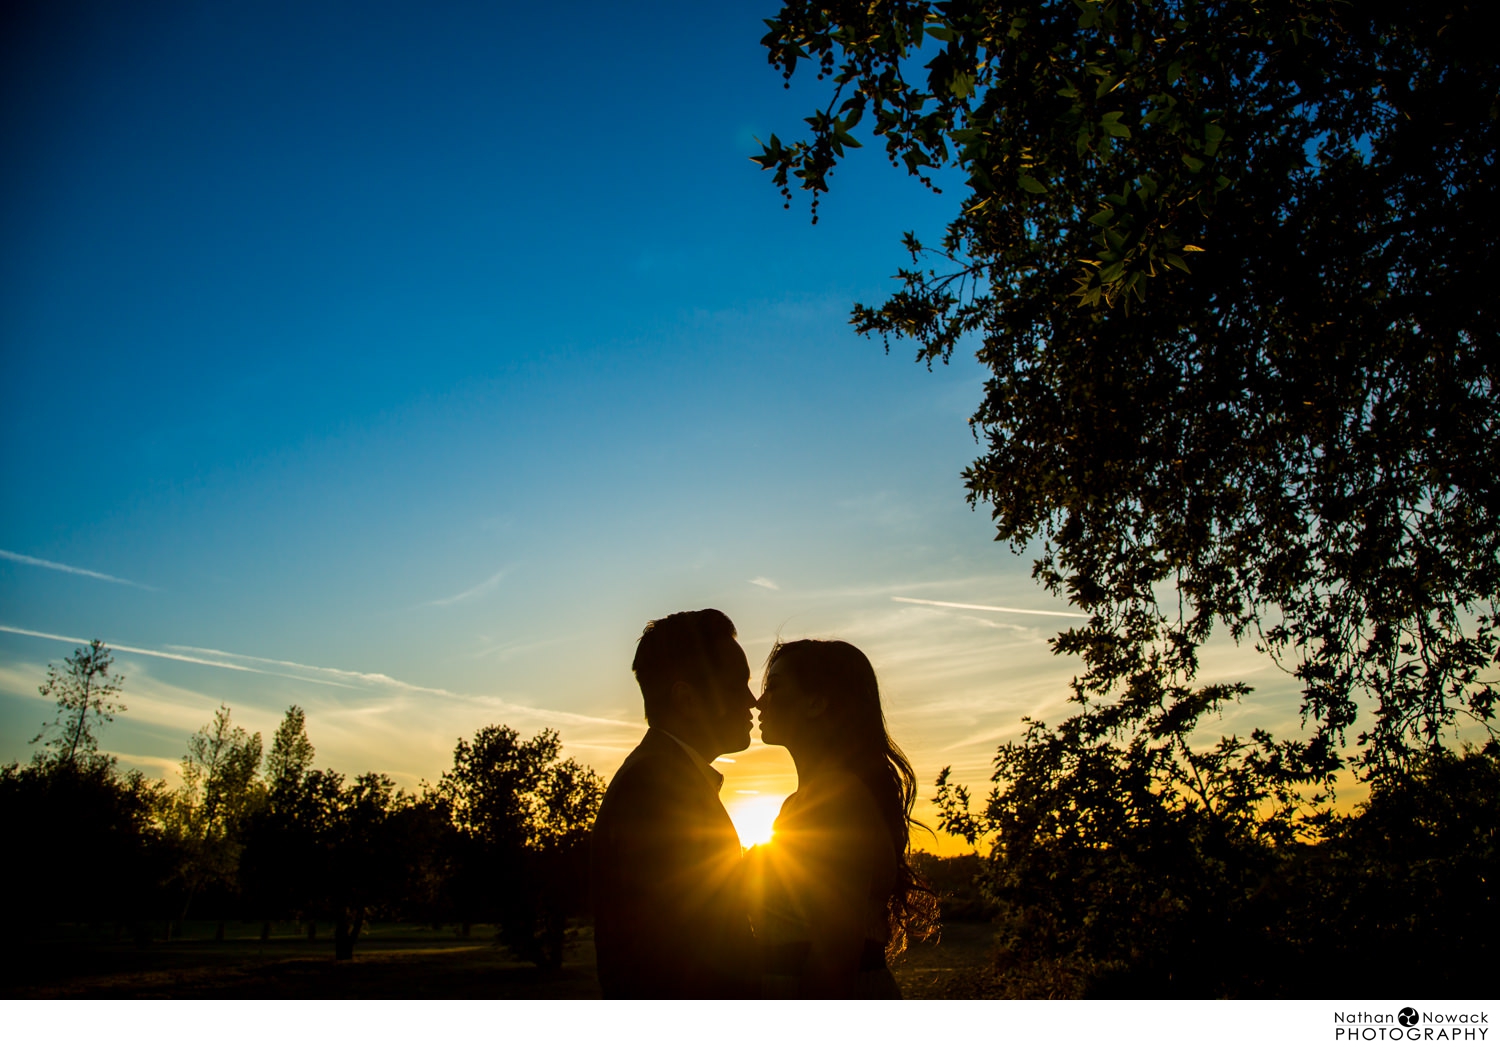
[
  {"x": 990, "y": 608},
  {"x": 766, "y": 582},
  {"x": 507, "y": 650},
  {"x": 57, "y": 566},
  {"x": 472, "y": 592},
  {"x": 378, "y": 680},
  {"x": 117, "y": 647}
]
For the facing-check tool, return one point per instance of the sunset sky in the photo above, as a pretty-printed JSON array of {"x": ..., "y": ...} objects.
[{"x": 400, "y": 361}]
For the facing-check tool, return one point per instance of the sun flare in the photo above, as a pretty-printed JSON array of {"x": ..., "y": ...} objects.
[{"x": 753, "y": 816}]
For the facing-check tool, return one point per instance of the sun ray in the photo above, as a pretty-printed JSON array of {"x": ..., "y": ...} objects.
[{"x": 753, "y": 816}]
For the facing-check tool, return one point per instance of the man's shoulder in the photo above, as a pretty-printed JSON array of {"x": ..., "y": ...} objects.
[
  {"x": 658, "y": 764},
  {"x": 659, "y": 799},
  {"x": 657, "y": 755}
]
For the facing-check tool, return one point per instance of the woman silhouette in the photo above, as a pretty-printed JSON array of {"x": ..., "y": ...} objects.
[{"x": 833, "y": 891}]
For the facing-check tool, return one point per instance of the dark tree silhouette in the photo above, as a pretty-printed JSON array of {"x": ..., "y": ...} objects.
[
  {"x": 522, "y": 817},
  {"x": 280, "y": 868},
  {"x": 502, "y": 839},
  {"x": 85, "y": 691},
  {"x": 1114, "y": 877},
  {"x": 365, "y": 865},
  {"x": 1228, "y": 266},
  {"x": 82, "y": 843},
  {"x": 89, "y": 847}
]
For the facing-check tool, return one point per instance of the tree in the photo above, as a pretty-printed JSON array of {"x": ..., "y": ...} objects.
[
  {"x": 1228, "y": 264},
  {"x": 85, "y": 692},
  {"x": 281, "y": 838},
  {"x": 1120, "y": 869},
  {"x": 365, "y": 870},
  {"x": 291, "y": 754},
  {"x": 1114, "y": 876},
  {"x": 84, "y": 829},
  {"x": 206, "y": 816},
  {"x": 522, "y": 815},
  {"x": 85, "y": 847}
]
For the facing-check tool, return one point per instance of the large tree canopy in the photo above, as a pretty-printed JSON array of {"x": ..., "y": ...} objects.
[{"x": 1229, "y": 262}]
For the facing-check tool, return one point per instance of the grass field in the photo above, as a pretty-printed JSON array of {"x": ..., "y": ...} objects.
[{"x": 391, "y": 962}]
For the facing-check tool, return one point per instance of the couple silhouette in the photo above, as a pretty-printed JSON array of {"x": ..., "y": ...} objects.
[{"x": 680, "y": 911}]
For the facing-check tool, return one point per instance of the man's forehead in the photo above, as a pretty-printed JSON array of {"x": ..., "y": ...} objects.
[{"x": 731, "y": 656}]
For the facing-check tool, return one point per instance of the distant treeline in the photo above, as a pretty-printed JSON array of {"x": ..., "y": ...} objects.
[{"x": 501, "y": 838}]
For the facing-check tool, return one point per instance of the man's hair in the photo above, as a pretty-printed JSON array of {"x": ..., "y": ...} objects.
[{"x": 678, "y": 648}]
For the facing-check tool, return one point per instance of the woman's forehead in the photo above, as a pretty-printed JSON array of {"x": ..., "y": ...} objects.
[{"x": 781, "y": 669}]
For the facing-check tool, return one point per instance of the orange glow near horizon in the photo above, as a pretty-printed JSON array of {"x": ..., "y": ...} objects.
[{"x": 753, "y": 815}]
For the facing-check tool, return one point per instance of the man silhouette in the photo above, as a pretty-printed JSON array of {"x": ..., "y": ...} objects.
[{"x": 670, "y": 916}]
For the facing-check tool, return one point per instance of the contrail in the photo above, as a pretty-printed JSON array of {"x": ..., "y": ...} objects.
[
  {"x": 990, "y": 608},
  {"x": 366, "y": 677},
  {"x": 57, "y": 566},
  {"x": 376, "y": 678},
  {"x": 139, "y": 652}
]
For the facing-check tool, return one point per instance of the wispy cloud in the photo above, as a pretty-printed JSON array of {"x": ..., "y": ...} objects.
[
  {"x": 378, "y": 680},
  {"x": 365, "y": 677},
  {"x": 989, "y": 608},
  {"x": 766, "y": 582},
  {"x": 57, "y": 566},
  {"x": 138, "y": 651},
  {"x": 875, "y": 590},
  {"x": 506, "y": 650},
  {"x": 330, "y": 676},
  {"x": 472, "y": 592},
  {"x": 1029, "y": 632}
]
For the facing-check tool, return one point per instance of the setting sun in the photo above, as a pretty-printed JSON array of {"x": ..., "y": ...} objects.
[{"x": 753, "y": 815}]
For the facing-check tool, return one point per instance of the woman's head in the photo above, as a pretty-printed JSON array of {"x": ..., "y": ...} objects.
[{"x": 818, "y": 697}]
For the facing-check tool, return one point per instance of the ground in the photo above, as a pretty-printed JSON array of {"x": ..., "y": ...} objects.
[{"x": 391, "y": 961}]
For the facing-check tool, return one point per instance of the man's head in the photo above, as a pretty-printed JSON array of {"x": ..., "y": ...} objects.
[{"x": 696, "y": 681}]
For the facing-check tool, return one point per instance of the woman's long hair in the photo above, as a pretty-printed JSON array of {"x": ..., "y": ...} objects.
[{"x": 842, "y": 674}]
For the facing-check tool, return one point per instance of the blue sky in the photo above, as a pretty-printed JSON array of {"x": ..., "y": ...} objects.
[{"x": 401, "y": 361}]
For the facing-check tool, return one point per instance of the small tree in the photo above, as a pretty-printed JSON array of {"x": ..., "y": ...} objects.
[
  {"x": 291, "y": 754},
  {"x": 85, "y": 691},
  {"x": 275, "y": 870},
  {"x": 219, "y": 791}
]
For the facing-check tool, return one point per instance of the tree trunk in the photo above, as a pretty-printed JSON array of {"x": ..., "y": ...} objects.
[
  {"x": 265, "y": 930},
  {"x": 312, "y": 929},
  {"x": 343, "y": 938}
]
